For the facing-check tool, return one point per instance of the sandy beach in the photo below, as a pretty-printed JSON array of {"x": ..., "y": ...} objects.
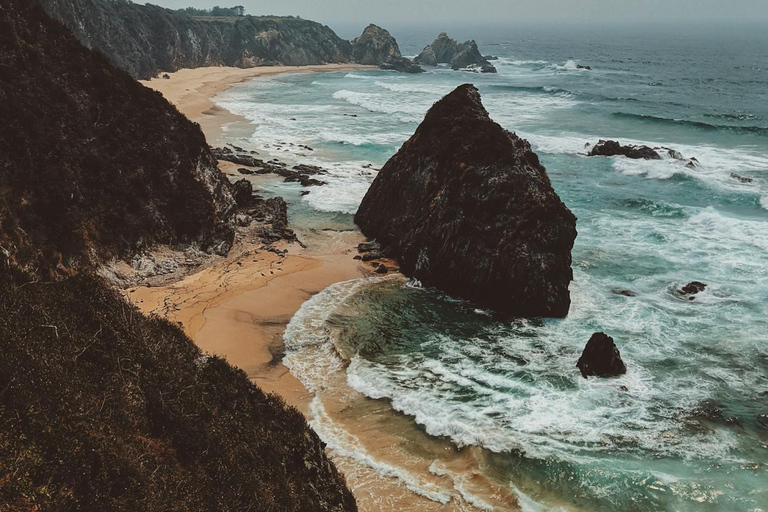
[
  {"x": 192, "y": 90},
  {"x": 239, "y": 307}
]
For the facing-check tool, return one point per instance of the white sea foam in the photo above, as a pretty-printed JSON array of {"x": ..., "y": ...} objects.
[
  {"x": 528, "y": 504},
  {"x": 347, "y": 445},
  {"x": 570, "y": 65},
  {"x": 715, "y": 226},
  {"x": 437, "y": 91}
]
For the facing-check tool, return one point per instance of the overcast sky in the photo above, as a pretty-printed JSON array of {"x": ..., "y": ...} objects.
[{"x": 498, "y": 11}]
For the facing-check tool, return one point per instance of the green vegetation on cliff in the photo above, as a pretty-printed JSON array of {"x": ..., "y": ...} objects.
[
  {"x": 103, "y": 409},
  {"x": 147, "y": 39}
]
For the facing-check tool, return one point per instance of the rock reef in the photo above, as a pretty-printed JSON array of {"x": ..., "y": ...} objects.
[
  {"x": 465, "y": 206},
  {"x": 445, "y": 50},
  {"x": 377, "y": 47},
  {"x": 615, "y": 148}
]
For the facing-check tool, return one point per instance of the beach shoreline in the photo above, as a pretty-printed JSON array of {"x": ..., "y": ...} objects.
[
  {"x": 251, "y": 294},
  {"x": 192, "y": 91},
  {"x": 239, "y": 306}
]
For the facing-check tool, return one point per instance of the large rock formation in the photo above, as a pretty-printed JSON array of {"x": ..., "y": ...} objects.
[
  {"x": 377, "y": 47},
  {"x": 601, "y": 358},
  {"x": 92, "y": 164},
  {"x": 466, "y": 206},
  {"x": 445, "y": 50}
]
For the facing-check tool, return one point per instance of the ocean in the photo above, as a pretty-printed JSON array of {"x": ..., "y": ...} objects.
[{"x": 686, "y": 429}]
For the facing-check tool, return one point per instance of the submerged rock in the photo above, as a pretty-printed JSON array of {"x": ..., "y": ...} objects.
[
  {"x": 377, "y": 47},
  {"x": 445, "y": 50},
  {"x": 693, "y": 288},
  {"x": 601, "y": 358},
  {"x": 743, "y": 179},
  {"x": 465, "y": 206}
]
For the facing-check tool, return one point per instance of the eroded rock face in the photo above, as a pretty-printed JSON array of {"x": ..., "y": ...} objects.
[
  {"x": 445, "y": 50},
  {"x": 242, "y": 191},
  {"x": 465, "y": 206},
  {"x": 377, "y": 47},
  {"x": 601, "y": 358}
]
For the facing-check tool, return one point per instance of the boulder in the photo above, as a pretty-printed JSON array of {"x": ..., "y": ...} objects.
[
  {"x": 465, "y": 206},
  {"x": 601, "y": 358},
  {"x": 242, "y": 191},
  {"x": 377, "y": 47}
]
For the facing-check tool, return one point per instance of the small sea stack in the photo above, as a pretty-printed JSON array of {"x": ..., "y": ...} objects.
[
  {"x": 466, "y": 207},
  {"x": 601, "y": 358}
]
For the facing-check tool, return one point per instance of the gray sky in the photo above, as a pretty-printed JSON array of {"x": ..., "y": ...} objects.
[{"x": 498, "y": 11}]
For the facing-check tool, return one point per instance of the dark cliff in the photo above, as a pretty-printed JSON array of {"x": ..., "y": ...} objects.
[
  {"x": 465, "y": 206},
  {"x": 102, "y": 408},
  {"x": 92, "y": 164},
  {"x": 147, "y": 39}
]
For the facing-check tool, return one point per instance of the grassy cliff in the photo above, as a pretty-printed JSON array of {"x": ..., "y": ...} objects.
[{"x": 102, "y": 408}]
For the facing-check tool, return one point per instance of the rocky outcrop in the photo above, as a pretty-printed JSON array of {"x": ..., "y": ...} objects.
[
  {"x": 401, "y": 64},
  {"x": 377, "y": 47},
  {"x": 242, "y": 191},
  {"x": 465, "y": 206},
  {"x": 93, "y": 165},
  {"x": 614, "y": 148},
  {"x": 601, "y": 358},
  {"x": 445, "y": 50},
  {"x": 147, "y": 39}
]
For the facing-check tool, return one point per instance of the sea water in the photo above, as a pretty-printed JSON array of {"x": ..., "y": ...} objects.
[{"x": 687, "y": 427}]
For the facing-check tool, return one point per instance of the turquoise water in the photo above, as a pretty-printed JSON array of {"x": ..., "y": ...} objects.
[{"x": 685, "y": 429}]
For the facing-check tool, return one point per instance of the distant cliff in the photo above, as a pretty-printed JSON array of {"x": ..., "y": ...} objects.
[{"x": 147, "y": 39}]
